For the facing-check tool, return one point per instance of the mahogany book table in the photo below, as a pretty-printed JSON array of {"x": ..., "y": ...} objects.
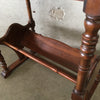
[{"x": 81, "y": 61}]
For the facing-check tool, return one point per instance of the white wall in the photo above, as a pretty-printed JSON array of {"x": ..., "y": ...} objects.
[{"x": 66, "y": 30}]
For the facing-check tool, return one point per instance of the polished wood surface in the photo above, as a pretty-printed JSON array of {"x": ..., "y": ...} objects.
[
  {"x": 81, "y": 66},
  {"x": 52, "y": 49},
  {"x": 92, "y": 7},
  {"x": 31, "y": 21},
  {"x": 49, "y": 65}
]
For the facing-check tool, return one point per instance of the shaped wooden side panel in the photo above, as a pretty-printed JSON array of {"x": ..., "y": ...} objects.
[{"x": 14, "y": 34}]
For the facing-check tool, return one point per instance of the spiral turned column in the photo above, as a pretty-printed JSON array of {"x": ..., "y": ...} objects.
[
  {"x": 3, "y": 65},
  {"x": 87, "y": 49}
]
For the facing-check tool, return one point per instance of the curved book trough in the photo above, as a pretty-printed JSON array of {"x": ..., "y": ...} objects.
[{"x": 18, "y": 37}]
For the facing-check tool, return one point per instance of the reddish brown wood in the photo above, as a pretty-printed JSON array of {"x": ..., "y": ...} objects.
[
  {"x": 93, "y": 82},
  {"x": 92, "y": 7},
  {"x": 81, "y": 61},
  {"x": 14, "y": 34},
  {"x": 31, "y": 21},
  {"x": 53, "y": 49},
  {"x": 89, "y": 41},
  {"x": 59, "y": 52},
  {"x": 21, "y": 56},
  {"x": 14, "y": 65},
  {"x": 54, "y": 68},
  {"x": 94, "y": 85},
  {"x": 3, "y": 63}
]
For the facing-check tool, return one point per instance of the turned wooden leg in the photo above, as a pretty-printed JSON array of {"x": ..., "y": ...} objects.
[
  {"x": 96, "y": 82},
  {"x": 7, "y": 70},
  {"x": 87, "y": 49},
  {"x": 3, "y": 65}
]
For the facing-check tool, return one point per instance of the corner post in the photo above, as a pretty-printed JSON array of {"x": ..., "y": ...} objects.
[
  {"x": 31, "y": 21},
  {"x": 3, "y": 65},
  {"x": 87, "y": 49},
  {"x": 94, "y": 86}
]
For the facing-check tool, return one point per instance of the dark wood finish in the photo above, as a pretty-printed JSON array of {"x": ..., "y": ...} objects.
[
  {"x": 92, "y": 7},
  {"x": 94, "y": 85},
  {"x": 31, "y": 21},
  {"x": 54, "y": 68},
  {"x": 14, "y": 65},
  {"x": 89, "y": 41},
  {"x": 61, "y": 53},
  {"x": 82, "y": 63},
  {"x": 52, "y": 49}
]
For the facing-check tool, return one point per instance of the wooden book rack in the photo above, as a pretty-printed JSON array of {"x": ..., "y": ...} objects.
[{"x": 81, "y": 61}]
